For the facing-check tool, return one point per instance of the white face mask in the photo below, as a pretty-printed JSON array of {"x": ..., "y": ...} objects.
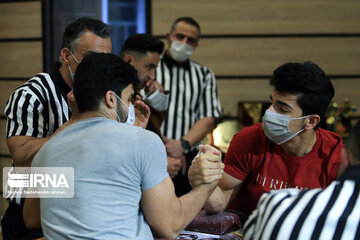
[
  {"x": 180, "y": 51},
  {"x": 276, "y": 127},
  {"x": 157, "y": 100},
  {"x": 130, "y": 118}
]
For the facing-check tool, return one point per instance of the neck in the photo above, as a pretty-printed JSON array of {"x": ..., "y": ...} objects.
[
  {"x": 98, "y": 113},
  {"x": 64, "y": 72},
  {"x": 301, "y": 144}
]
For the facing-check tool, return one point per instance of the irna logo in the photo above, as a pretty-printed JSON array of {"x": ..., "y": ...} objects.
[{"x": 37, "y": 180}]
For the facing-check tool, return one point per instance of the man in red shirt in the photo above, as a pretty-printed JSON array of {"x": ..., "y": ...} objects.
[{"x": 287, "y": 150}]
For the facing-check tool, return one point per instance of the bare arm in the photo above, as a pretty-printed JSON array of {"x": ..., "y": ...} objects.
[
  {"x": 197, "y": 132},
  {"x": 223, "y": 194},
  {"x": 31, "y": 213},
  {"x": 166, "y": 214},
  {"x": 202, "y": 171},
  {"x": 24, "y": 148}
]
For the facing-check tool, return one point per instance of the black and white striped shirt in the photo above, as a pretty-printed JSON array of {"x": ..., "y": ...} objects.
[
  {"x": 37, "y": 108},
  {"x": 330, "y": 213},
  {"x": 193, "y": 95}
]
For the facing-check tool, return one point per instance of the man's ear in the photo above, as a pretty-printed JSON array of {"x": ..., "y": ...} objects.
[
  {"x": 110, "y": 99},
  {"x": 128, "y": 58},
  {"x": 312, "y": 122},
  {"x": 65, "y": 55}
]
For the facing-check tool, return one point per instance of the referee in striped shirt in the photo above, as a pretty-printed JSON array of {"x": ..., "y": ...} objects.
[
  {"x": 36, "y": 109},
  {"x": 330, "y": 213},
  {"x": 194, "y": 105}
]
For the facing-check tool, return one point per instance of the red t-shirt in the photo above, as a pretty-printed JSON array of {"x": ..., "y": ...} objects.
[{"x": 262, "y": 165}]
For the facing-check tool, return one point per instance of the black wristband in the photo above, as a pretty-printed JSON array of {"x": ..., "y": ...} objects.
[{"x": 186, "y": 145}]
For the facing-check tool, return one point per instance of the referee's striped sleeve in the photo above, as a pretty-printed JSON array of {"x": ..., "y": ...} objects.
[
  {"x": 257, "y": 224},
  {"x": 23, "y": 114},
  {"x": 211, "y": 101},
  {"x": 331, "y": 213}
]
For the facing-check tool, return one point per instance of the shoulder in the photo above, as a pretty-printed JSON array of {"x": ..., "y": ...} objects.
[
  {"x": 148, "y": 139},
  {"x": 197, "y": 65},
  {"x": 40, "y": 79},
  {"x": 34, "y": 90},
  {"x": 288, "y": 197},
  {"x": 38, "y": 84},
  {"x": 135, "y": 134},
  {"x": 249, "y": 137},
  {"x": 328, "y": 136},
  {"x": 329, "y": 139}
]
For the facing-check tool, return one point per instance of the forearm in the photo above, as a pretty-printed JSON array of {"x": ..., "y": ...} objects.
[
  {"x": 166, "y": 214},
  {"x": 31, "y": 213},
  {"x": 199, "y": 130},
  {"x": 217, "y": 202},
  {"x": 22, "y": 154},
  {"x": 189, "y": 205}
]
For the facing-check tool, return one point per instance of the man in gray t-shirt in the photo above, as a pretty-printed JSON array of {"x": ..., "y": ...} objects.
[
  {"x": 113, "y": 163},
  {"x": 120, "y": 170}
]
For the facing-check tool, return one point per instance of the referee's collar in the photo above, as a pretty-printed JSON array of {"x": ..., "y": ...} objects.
[
  {"x": 171, "y": 62},
  {"x": 58, "y": 80},
  {"x": 352, "y": 173}
]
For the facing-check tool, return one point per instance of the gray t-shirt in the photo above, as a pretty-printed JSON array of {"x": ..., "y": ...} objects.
[{"x": 113, "y": 163}]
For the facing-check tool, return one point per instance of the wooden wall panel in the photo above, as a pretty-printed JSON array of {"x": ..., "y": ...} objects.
[
  {"x": 4, "y": 162},
  {"x": 20, "y": 59},
  {"x": 7, "y": 87},
  {"x": 20, "y": 20},
  {"x": 239, "y": 90},
  {"x": 3, "y": 145},
  {"x": 260, "y": 16},
  {"x": 260, "y": 56},
  {"x": 347, "y": 88}
]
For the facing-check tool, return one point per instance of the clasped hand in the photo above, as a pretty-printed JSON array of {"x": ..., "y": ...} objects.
[{"x": 206, "y": 166}]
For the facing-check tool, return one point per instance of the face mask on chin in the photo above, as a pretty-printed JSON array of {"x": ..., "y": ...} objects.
[
  {"x": 129, "y": 117},
  {"x": 276, "y": 127},
  {"x": 180, "y": 51}
]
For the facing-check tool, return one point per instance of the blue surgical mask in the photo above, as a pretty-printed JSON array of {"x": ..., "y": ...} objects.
[
  {"x": 72, "y": 75},
  {"x": 120, "y": 115},
  {"x": 276, "y": 127}
]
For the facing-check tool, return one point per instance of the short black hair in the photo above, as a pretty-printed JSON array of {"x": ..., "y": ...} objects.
[
  {"x": 98, "y": 73},
  {"x": 81, "y": 25},
  {"x": 142, "y": 43},
  {"x": 309, "y": 82},
  {"x": 352, "y": 142},
  {"x": 188, "y": 20}
]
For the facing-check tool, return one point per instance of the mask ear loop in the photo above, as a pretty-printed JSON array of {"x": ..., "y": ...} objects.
[
  {"x": 74, "y": 57},
  {"x": 117, "y": 115},
  {"x": 299, "y": 118}
]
